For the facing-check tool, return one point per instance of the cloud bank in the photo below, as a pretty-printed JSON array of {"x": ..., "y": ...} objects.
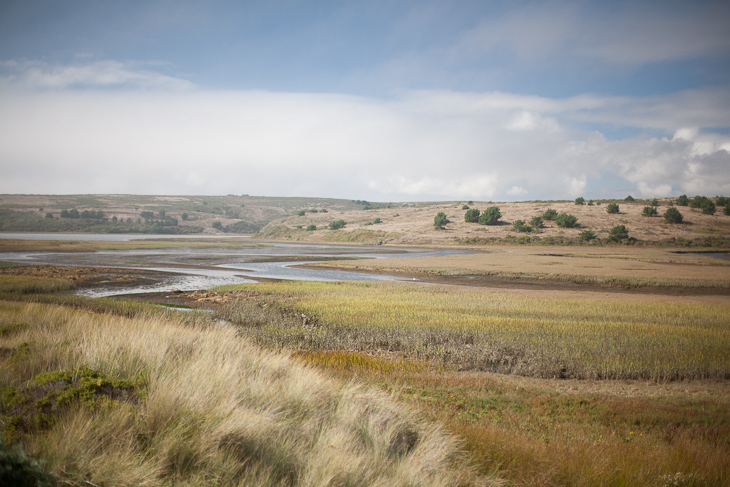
[{"x": 160, "y": 134}]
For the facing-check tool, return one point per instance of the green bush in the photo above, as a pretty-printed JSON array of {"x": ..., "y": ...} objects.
[
  {"x": 722, "y": 201},
  {"x": 619, "y": 233},
  {"x": 440, "y": 220},
  {"x": 519, "y": 226},
  {"x": 19, "y": 470},
  {"x": 217, "y": 225},
  {"x": 301, "y": 213},
  {"x": 311, "y": 228},
  {"x": 580, "y": 200},
  {"x": 377, "y": 220},
  {"x": 536, "y": 222},
  {"x": 550, "y": 214},
  {"x": 650, "y": 211},
  {"x": 587, "y": 235},
  {"x": 629, "y": 198},
  {"x": 337, "y": 224},
  {"x": 708, "y": 207},
  {"x": 472, "y": 215},
  {"x": 654, "y": 202},
  {"x": 683, "y": 200},
  {"x": 490, "y": 216},
  {"x": 565, "y": 220},
  {"x": 672, "y": 215},
  {"x": 612, "y": 208},
  {"x": 726, "y": 210},
  {"x": 465, "y": 207},
  {"x": 698, "y": 201}
]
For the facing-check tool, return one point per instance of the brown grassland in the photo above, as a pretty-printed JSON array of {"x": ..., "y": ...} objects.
[{"x": 521, "y": 365}]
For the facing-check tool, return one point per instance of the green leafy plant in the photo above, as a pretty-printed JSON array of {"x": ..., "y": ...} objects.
[
  {"x": 654, "y": 202},
  {"x": 550, "y": 214},
  {"x": 672, "y": 215},
  {"x": 629, "y": 198},
  {"x": 440, "y": 220},
  {"x": 519, "y": 226},
  {"x": 580, "y": 200},
  {"x": 649, "y": 211},
  {"x": 612, "y": 208},
  {"x": 490, "y": 216},
  {"x": 537, "y": 222},
  {"x": 587, "y": 235},
  {"x": 472, "y": 215},
  {"x": 337, "y": 224},
  {"x": 311, "y": 228},
  {"x": 683, "y": 200},
  {"x": 618, "y": 234},
  {"x": 565, "y": 220},
  {"x": 708, "y": 207}
]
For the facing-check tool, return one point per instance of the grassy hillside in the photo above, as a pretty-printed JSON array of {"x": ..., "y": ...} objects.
[{"x": 178, "y": 399}]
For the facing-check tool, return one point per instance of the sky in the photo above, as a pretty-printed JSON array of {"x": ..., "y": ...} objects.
[{"x": 383, "y": 100}]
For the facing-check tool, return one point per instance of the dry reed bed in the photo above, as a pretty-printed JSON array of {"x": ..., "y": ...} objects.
[
  {"x": 477, "y": 329},
  {"x": 217, "y": 410}
]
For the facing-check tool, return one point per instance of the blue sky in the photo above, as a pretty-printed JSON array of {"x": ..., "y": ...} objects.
[{"x": 378, "y": 100}]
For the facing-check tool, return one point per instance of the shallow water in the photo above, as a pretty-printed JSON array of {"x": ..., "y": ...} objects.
[{"x": 192, "y": 268}]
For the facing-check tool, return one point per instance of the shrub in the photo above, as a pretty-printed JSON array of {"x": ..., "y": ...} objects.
[
  {"x": 565, "y": 220},
  {"x": 587, "y": 235},
  {"x": 490, "y": 216},
  {"x": 654, "y": 202},
  {"x": 683, "y": 200},
  {"x": 301, "y": 213},
  {"x": 49, "y": 216},
  {"x": 708, "y": 207},
  {"x": 726, "y": 210},
  {"x": 323, "y": 210},
  {"x": 377, "y": 220},
  {"x": 311, "y": 228},
  {"x": 217, "y": 225},
  {"x": 612, "y": 208},
  {"x": 580, "y": 200},
  {"x": 672, "y": 215},
  {"x": 337, "y": 224},
  {"x": 519, "y": 225},
  {"x": 465, "y": 207},
  {"x": 472, "y": 215},
  {"x": 629, "y": 198},
  {"x": 650, "y": 211},
  {"x": 550, "y": 214},
  {"x": 17, "y": 469},
  {"x": 698, "y": 201},
  {"x": 537, "y": 222},
  {"x": 619, "y": 233},
  {"x": 722, "y": 200},
  {"x": 440, "y": 220}
]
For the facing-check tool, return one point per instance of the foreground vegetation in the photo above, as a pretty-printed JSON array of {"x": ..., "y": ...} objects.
[
  {"x": 166, "y": 399},
  {"x": 431, "y": 344}
]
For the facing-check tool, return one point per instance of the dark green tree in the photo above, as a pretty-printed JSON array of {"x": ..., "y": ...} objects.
[
  {"x": 683, "y": 200},
  {"x": 580, "y": 200},
  {"x": 618, "y": 234},
  {"x": 650, "y": 211},
  {"x": 587, "y": 235},
  {"x": 550, "y": 214},
  {"x": 440, "y": 220},
  {"x": 672, "y": 215},
  {"x": 472, "y": 215},
  {"x": 565, "y": 220},
  {"x": 612, "y": 208},
  {"x": 490, "y": 216}
]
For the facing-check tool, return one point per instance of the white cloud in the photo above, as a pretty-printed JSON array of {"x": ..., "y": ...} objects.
[
  {"x": 423, "y": 145},
  {"x": 35, "y": 74}
]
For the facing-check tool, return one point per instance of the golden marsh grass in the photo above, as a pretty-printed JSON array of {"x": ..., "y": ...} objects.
[{"x": 477, "y": 329}]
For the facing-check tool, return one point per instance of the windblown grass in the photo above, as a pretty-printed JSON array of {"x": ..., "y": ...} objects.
[
  {"x": 480, "y": 330},
  {"x": 216, "y": 410},
  {"x": 30, "y": 284}
]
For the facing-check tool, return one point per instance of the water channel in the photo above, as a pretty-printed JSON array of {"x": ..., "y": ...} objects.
[{"x": 193, "y": 267}]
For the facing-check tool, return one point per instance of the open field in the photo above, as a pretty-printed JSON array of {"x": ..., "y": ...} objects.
[{"x": 618, "y": 266}]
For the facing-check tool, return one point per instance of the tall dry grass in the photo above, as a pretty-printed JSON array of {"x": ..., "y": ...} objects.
[{"x": 217, "y": 410}]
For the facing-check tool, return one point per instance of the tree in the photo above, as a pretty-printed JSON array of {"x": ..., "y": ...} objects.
[
  {"x": 619, "y": 233},
  {"x": 672, "y": 215},
  {"x": 612, "y": 208},
  {"x": 565, "y": 220},
  {"x": 550, "y": 214},
  {"x": 440, "y": 220},
  {"x": 311, "y": 228},
  {"x": 537, "y": 222},
  {"x": 465, "y": 207},
  {"x": 683, "y": 200},
  {"x": 49, "y": 216},
  {"x": 708, "y": 207},
  {"x": 184, "y": 216},
  {"x": 629, "y": 198},
  {"x": 650, "y": 211},
  {"x": 301, "y": 213},
  {"x": 490, "y": 216},
  {"x": 337, "y": 224},
  {"x": 217, "y": 225},
  {"x": 726, "y": 210},
  {"x": 580, "y": 200},
  {"x": 472, "y": 215},
  {"x": 654, "y": 202},
  {"x": 519, "y": 226},
  {"x": 587, "y": 235}
]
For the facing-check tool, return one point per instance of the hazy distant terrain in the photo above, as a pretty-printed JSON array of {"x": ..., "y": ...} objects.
[{"x": 310, "y": 219}]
